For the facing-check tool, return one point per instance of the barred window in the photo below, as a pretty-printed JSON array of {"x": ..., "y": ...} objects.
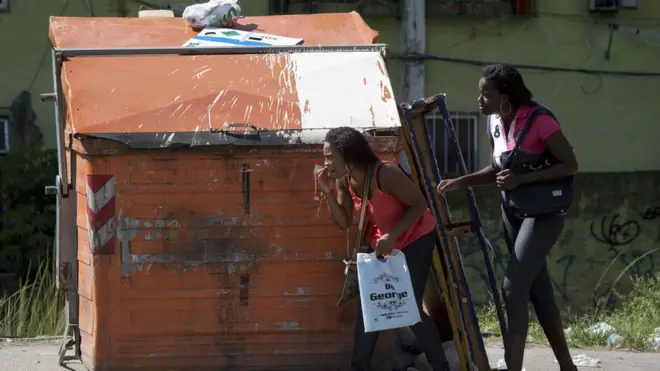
[{"x": 466, "y": 127}]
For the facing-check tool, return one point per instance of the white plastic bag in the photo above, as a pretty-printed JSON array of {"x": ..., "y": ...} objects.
[
  {"x": 386, "y": 292},
  {"x": 215, "y": 13}
]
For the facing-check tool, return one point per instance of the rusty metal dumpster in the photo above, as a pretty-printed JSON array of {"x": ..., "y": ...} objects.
[{"x": 190, "y": 234}]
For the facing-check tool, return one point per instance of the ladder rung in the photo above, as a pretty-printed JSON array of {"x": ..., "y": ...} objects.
[{"x": 458, "y": 229}]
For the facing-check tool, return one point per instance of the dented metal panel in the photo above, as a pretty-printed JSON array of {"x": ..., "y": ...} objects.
[
  {"x": 213, "y": 258},
  {"x": 232, "y": 99},
  {"x": 191, "y": 277},
  {"x": 196, "y": 100}
]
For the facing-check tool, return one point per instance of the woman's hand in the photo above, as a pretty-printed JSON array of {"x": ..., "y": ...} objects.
[
  {"x": 385, "y": 245},
  {"x": 447, "y": 185},
  {"x": 324, "y": 179},
  {"x": 507, "y": 180}
]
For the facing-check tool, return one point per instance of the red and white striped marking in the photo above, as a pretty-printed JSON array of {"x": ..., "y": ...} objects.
[{"x": 101, "y": 219}]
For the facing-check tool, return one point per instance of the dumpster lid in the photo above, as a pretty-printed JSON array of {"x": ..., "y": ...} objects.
[{"x": 164, "y": 101}]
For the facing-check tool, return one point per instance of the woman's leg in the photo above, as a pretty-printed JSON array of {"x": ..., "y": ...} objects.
[
  {"x": 363, "y": 346},
  {"x": 419, "y": 255},
  {"x": 533, "y": 241},
  {"x": 511, "y": 226},
  {"x": 543, "y": 298},
  {"x": 407, "y": 349}
]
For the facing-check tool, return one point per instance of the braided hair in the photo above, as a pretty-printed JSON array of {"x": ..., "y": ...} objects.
[{"x": 508, "y": 81}]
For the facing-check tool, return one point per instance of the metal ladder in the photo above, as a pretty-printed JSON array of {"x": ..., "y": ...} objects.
[{"x": 420, "y": 144}]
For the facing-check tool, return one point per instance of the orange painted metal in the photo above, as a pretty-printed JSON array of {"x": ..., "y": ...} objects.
[
  {"x": 139, "y": 90},
  {"x": 315, "y": 29},
  {"x": 191, "y": 280},
  {"x": 147, "y": 94},
  {"x": 208, "y": 258}
]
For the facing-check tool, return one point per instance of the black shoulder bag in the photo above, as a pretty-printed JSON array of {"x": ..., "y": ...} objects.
[{"x": 535, "y": 199}]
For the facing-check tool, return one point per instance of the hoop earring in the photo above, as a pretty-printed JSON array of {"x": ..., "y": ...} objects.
[{"x": 502, "y": 108}]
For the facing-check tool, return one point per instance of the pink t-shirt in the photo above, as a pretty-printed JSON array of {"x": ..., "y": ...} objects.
[{"x": 533, "y": 142}]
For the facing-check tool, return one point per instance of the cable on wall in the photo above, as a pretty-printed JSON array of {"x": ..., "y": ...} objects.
[
  {"x": 46, "y": 52},
  {"x": 481, "y": 63}
]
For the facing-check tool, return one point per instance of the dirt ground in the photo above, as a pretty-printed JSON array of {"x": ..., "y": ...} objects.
[{"x": 42, "y": 356}]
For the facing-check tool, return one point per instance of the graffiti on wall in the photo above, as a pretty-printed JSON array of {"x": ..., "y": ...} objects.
[
  {"x": 630, "y": 245},
  {"x": 621, "y": 238},
  {"x": 619, "y": 234},
  {"x": 499, "y": 260}
]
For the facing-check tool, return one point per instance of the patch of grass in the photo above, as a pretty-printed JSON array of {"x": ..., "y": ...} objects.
[
  {"x": 36, "y": 309},
  {"x": 635, "y": 319}
]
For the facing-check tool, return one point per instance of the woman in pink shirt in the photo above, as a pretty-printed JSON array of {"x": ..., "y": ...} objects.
[
  {"x": 399, "y": 218},
  {"x": 507, "y": 102}
]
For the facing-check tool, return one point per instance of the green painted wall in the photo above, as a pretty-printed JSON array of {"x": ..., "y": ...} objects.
[
  {"x": 25, "y": 62},
  {"x": 601, "y": 115},
  {"x": 611, "y": 121},
  {"x": 614, "y": 226},
  {"x": 609, "y": 232}
]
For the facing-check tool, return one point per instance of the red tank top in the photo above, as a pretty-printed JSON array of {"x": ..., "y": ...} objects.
[{"x": 385, "y": 210}]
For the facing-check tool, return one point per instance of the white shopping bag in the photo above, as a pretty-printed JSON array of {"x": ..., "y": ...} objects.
[{"x": 386, "y": 292}]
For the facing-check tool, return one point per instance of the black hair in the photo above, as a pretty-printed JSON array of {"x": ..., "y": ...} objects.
[
  {"x": 352, "y": 145},
  {"x": 508, "y": 81}
]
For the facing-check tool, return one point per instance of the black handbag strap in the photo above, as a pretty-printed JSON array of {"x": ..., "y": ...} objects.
[{"x": 539, "y": 110}]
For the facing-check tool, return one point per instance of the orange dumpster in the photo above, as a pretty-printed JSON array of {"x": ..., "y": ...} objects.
[{"x": 191, "y": 233}]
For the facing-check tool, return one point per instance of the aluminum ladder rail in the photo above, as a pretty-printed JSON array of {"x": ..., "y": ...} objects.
[{"x": 419, "y": 143}]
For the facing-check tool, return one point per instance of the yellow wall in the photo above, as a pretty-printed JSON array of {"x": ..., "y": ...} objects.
[
  {"x": 613, "y": 125},
  {"x": 24, "y": 43},
  {"x": 613, "y": 128}
]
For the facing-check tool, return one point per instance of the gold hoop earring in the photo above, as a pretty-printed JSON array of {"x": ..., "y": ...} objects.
[{"x": 502, "y": 108}]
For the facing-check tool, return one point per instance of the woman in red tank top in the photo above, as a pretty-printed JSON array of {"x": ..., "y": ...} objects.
[{"x": 399, "y": 218}]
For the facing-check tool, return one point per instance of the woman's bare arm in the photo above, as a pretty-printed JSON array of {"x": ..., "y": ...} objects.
[
  {"x": 485, "y": 176},
  {"x": 341, "y": 207}
]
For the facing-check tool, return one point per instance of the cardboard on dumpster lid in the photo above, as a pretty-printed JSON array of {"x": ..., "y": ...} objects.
[{"x": 215, "y": 37}]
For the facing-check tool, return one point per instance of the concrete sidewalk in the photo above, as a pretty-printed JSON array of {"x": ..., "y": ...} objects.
[
  {"x": 42, "y": 356},
  {"x": 540, "y": 358}
]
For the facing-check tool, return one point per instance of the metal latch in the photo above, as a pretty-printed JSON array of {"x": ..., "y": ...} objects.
[
  {"x": 48, "y": 97},
  {"x": 51, "y": 190},
  {"x": 56, "y": 188}
]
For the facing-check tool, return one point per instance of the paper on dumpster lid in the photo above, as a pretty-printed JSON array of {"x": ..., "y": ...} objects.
[{"x": 223, "y": 37}]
